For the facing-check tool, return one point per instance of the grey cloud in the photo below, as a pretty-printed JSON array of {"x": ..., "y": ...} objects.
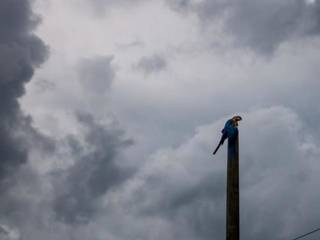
[
  {"x": 151, "y": 64},
  {"x": 20, "y": 52},
  {"x": 261, "y": 25},
  {"x": 96, "y": 74},
  {"x": 43, "y": 85},
  {"x": 3, "y": 231},
  {"x": 130, "y": 45},
  {"x": 8, "y": 234},
  {"x": 94, "y": 173}
]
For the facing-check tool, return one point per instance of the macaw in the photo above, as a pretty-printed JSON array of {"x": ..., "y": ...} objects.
[{"x": 229, "y": 130}]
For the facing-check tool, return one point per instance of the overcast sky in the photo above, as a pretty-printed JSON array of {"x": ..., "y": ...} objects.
[{"x": 110, "y": 111}]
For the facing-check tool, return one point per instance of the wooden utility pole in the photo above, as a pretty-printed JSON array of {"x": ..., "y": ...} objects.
[{"x": 232, "y": 224}]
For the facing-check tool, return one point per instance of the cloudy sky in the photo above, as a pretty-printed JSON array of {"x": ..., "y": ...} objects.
[{"x": 110, "y": 110}]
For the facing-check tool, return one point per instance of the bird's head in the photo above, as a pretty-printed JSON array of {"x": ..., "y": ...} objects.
[{"x": 236, "y": 119}]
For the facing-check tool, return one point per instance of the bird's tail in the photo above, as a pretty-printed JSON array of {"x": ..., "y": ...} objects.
[{"x": 217, "y": 148}]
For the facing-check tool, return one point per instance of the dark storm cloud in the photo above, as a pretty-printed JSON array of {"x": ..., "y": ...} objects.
[
  {"x": 20, "y": 52},
  {"x": 94, "y": 173},
  {"x": 151, "y": 64},
  {"x": 262, "y": 25},
  {"x": 96, "y": 74}
]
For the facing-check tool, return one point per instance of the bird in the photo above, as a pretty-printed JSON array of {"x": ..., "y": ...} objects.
[{"x": 229, "y": 130}]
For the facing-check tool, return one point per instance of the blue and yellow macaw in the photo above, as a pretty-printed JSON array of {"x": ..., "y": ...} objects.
[{"x": 229, "y": 130}]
